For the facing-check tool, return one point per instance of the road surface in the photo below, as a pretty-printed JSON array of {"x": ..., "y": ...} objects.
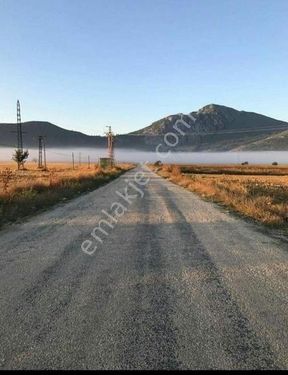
[{"x": 177, "y": 283}]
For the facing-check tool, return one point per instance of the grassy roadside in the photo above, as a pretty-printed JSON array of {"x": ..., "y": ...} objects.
[
  {"x": 32, "y": 191},
  {"x": 261, "y": 195}
]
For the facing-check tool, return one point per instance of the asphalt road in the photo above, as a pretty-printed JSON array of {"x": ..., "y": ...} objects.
[{"x": 177, "y": 283}]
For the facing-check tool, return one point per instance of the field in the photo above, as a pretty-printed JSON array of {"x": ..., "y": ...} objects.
[
  {"x": 258, "y": 192},
  {"x": 27, "y": 191}
]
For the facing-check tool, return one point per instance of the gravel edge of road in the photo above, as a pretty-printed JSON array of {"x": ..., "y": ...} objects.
[
  {"x": 277, "y": 234},
  {"x": 24, "y": 219}
]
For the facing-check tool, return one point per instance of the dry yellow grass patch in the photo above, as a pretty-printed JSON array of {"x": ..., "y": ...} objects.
[
  {"x": 27, "y": 191},
  {"x": 57, "y": 173},
  {"x": 261, "y": 197}
]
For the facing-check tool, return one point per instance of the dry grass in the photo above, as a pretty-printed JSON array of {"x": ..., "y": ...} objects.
[
  {"x": 27, "y": 191},
  {"x": 261, "y": 196},
  {"x": 58, "y": 173},
  {"x": 233, "y": 169}
]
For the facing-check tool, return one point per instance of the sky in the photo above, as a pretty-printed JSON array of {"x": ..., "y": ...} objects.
[{"x": 85, "y": 64}]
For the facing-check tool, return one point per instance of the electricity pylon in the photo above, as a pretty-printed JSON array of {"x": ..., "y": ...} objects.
[
  {"x": 19, "y": 128},
  {"x": 42, "y": 152},
  {"x": 110, "y": 144}
]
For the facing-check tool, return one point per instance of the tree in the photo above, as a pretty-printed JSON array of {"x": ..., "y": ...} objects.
[{"x": 20, "y": 156}]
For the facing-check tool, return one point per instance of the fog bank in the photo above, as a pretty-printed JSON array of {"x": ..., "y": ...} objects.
[{"x": 122, "y": 155}]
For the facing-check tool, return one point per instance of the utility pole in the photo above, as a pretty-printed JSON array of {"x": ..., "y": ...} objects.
[
  {"x": 88, "y": 162},
  {"x": 73, "y": 164},
  {"x": 19, "y": 128},
  {"x": 19, "y": 136},
  {"x": 79, "y": 159},
  {"x": 42, "y": 151},
  {"x": 110, "y": 140}
]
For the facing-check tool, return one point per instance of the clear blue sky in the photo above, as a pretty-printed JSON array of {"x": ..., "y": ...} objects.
[{"x": 83, "y": 64}]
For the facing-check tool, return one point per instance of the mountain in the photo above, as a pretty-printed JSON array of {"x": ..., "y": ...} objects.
[
  {"x": 215, "y": 128},
  {"x": 55, "y": 135},
  {"x": 277, "y": 142},
  {"x": 220, "y": 128},
  {"x": 215, "y": 118}
]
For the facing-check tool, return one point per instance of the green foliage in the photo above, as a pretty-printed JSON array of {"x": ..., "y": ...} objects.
[{"x": 20, "y": 157}]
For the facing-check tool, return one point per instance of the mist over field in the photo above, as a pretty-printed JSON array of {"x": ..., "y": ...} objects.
[{"x": 129, "y": 155}]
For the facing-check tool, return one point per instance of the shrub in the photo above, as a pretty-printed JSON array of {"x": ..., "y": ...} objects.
[
  {"x": 20, "y": 156},
  {"x": 158, "y": 163},
  {"x": 6, "y": 177}
]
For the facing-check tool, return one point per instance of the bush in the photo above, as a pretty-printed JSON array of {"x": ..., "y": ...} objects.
[
  {"x": 158, "y": 163},
  {"x": 20, "y": 156},
  {"x": 6, "y": 177}
]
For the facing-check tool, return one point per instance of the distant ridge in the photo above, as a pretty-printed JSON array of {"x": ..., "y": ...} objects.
[
  {"x": 217, "y": 128},
  {"x": 217, "y": 119},
  {"x": 277, "y": 141},
  {"x": 55, "y": 135}
]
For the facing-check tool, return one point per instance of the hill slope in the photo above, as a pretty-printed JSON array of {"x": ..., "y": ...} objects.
[
  {"x": 277, "y": 142},
  {"x": 220, "y": 128},
  {"x": 55, "y": 135},
  {"x": 217, "y": 128},
  {"x": 216, "y": 118}
]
